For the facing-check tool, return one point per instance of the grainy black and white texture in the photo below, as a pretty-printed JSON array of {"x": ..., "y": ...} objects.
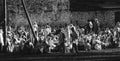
[{"x": 64, "y": 30}]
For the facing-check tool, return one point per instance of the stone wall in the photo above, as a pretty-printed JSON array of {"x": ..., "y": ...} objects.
[
  {"x": 106, "y": 18},
  {"x": 60, "y": 14},
  {"x": 50, "y": 11}
]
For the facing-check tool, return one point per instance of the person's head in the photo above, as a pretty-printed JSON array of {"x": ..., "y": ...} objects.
[
  {"x": 71, "y": 25},
  {"x": 47, "y": 26},
  {"x": 35, "y": 22},
  {"x": 88, "y": 20},
  {"x": 1, "y": 31},
  {"x": 118, "y": 23},
  {"x": 96, "y": 19},
  {"x": 22, "y": 28}
]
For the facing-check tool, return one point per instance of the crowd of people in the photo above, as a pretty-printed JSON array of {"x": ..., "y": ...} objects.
[{"x": 67, "y": 39}]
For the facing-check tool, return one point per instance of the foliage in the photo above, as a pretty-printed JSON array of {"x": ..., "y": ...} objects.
[{"x": 42, "y": 11}]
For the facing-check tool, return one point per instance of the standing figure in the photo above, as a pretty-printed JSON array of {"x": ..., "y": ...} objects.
[
  {"x": 62, "y": 40},
  {"x": 68, "y": 44},
  {"x": 118, "y": 29},
  {"x": 89, "y": 26},
  {"x": 9, "y": 39},
  {"x": 35, "y": 29},
  {"x": 96, "y": 26},
  {"x": 93, "y": 26},
  {"x": 1, "y": 39},
  {"x": 73, "y": 38}
]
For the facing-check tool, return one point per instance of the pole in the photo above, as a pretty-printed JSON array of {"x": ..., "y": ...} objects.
[
  {"x": 29, "y": 21},
  {"x": 5, "y": 20}
]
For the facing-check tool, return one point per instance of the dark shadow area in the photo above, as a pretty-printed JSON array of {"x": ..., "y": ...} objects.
[{"x": 94, "y": 5}]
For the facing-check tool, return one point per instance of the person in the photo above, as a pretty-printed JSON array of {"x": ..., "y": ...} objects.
[
  {"x": 74, "y": 38},
  {"x": 48, "y": 29},
  {"x": 96, "y": 25},
  {"x": 62, "y": 40},
  {"x": 9, "y": 41},
  {"x": 98, "y": 43},
  {"x": 35, "y": 29},
  {"x": 92, "y": 26},
  {"x": 68, "y": 44},
  {"x": 89, "y": 27},
  {"x": 1, "y": 39},
  {"x": 118, "y": 29}
]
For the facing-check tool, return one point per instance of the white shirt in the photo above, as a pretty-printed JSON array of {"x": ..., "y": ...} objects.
[
  {"x": 48, "y": 30},
  {"x": 91, "y": 24},
  {"x": 1, "y": 37},
  {"x": 35, "y": 27}
]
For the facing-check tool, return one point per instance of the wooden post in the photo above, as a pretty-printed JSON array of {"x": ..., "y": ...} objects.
[
  {"x": 29, "y": 21},
  {"x": 5, "y": 19}
]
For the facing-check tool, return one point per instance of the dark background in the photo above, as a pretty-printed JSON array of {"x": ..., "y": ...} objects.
[{"x": 83, "y": 5}]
